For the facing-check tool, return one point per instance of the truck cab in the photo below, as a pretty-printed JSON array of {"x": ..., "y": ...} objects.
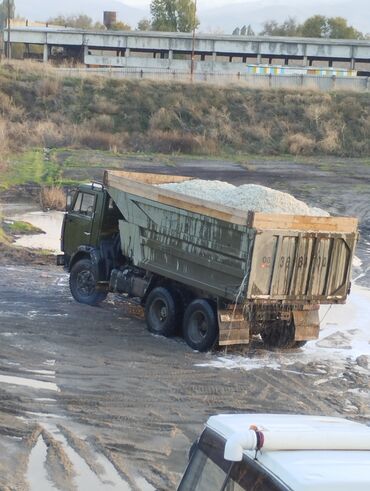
[{"x": 92, "y": 218}]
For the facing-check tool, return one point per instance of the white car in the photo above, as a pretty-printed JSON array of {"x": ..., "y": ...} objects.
[{"x": 273, "y": 452}]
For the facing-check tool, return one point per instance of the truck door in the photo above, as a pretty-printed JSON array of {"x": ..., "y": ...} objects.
[{"x": 78, "y": 222}]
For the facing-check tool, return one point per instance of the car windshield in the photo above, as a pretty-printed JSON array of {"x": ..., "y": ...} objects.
[{"x": 209, "y": 471}]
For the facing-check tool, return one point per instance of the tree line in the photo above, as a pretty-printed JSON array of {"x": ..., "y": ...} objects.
[{"x": 317, "y": 26}]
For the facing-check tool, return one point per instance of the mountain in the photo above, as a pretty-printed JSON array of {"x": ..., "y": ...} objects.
[
  {"x": 232, "y": 15},
  {"x": 41, "y": 10}
]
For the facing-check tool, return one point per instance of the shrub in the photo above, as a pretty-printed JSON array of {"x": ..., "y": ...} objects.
[
  {"x": 300, "y": 144},
  {"x": 52, "y": 198}
]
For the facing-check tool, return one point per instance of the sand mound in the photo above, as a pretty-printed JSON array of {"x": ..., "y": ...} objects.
[{"x": 246, "y": 197}]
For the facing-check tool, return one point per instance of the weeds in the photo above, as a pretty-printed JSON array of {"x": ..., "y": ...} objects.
[
  {"x": 39, "y": 107},
  {"x": 52, "y": 198}
]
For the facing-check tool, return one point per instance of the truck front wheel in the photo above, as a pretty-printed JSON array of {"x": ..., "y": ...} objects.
[
  {"x": 162, "y": 312},
  {"x": 200, "y": 328},
  {"x": 83, "y": 285}
]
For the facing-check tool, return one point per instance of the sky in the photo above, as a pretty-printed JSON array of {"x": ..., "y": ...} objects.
[{"x": 201, "y": 3}]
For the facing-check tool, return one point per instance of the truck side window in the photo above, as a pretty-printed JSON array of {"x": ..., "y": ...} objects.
[
  {"x": 77, "y": 205},
  {"x": 87, "y": 205}
]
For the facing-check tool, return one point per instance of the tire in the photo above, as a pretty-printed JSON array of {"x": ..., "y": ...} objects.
[
  {"x": 200, "y": 326},
  {"x": 82, "y": 283},
  {"x": 162, "y": 312},
  {"x": 279, "y": 334}
]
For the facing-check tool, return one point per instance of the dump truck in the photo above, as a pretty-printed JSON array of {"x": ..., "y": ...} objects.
[{"x": 214, "y": 273}]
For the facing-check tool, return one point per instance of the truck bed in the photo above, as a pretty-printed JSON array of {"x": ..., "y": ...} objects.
[{"x": 237, "y": 255}]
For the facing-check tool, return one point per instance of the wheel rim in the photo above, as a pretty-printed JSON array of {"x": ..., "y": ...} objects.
[
  {"x": 159, "y": 313},
  {"x": 85, "y": 283},
  {"x": 198, "y": 327}
]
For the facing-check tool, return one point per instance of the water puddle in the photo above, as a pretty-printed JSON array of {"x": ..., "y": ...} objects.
[
  {"x": 47, "y": 373},
  {"x": 144, "y": 485},
  {"x": 50, "y": 222},
  {"x": 29, "y": 382},
  {"x": 85, "y": 478},
  {"x": 36, "y": 472}
]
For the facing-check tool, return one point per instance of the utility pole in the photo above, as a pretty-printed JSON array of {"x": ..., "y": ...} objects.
[
  {"x": 193, "y": 42},
  {"x": 8, "y": 43}
]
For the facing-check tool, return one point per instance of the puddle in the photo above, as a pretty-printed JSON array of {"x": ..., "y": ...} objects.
[
  {"x": 144, "y": 485},
  {"x": 12, "y": 209},
  {"x": 85, "y": 477},
  {"x": 50, "y": 222},
  {"x": 48, "y": 373},
  {"x": 344, "y": 334},
  {"x": 29, "y": 382},
  {"x": 36, "y": 472}
]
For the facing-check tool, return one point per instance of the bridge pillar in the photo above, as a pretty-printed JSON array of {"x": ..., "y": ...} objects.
[
  {"x": 214, "y": 56},
  {"x": 353, "y": 63},
  {"x": 45, "y": 57},
  {"x": 127, "y": 52}
]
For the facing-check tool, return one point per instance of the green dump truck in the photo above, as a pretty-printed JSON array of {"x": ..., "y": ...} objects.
[{"x": 214, "y": 273}]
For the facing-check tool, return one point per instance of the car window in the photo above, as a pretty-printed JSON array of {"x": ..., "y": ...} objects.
[
  {"x": 208, "y": 470},
  {"x": 84, "y": 204}
]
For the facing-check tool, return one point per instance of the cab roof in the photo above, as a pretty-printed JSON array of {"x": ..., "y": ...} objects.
[{"x": 305, "y": 469}]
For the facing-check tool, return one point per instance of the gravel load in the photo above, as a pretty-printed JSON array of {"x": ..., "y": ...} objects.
[{"x": 247, "y": 197}]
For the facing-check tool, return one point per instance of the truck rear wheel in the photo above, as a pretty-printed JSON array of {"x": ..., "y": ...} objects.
[
  {"x": 281, "y": 334},
  {"x": 200, "y": 327},
  {"x": 82, "y": 283},
  {"x": 162, "y": 312}
]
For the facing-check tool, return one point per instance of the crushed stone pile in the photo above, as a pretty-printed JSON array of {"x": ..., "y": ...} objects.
[{"x": 248, "y": 197}]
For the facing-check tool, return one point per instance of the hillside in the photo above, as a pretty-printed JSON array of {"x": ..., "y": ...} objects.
[{"x": 39, "y": 108}]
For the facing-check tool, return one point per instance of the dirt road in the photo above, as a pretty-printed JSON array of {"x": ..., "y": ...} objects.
[{"x": 91, "y": 401}]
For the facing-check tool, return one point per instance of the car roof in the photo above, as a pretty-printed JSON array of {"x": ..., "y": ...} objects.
[{"x": 306, "y": 469}]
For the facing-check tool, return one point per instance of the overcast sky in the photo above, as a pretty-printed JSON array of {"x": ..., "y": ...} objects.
[
  {"x": 201, "y": 3},
  {"x": 215, "y": 3}
]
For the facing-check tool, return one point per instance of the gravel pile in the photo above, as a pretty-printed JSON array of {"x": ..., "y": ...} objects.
[{"x": 246, "y": 197}]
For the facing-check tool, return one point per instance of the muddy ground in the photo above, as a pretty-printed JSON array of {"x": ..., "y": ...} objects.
[{"x": 90, "y": 400}]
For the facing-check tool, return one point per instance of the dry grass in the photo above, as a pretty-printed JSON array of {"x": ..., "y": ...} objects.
[
  {"x": 52, "y": 198},
  {"x": 40, "y": 107},
  {"x": 300, "y": 144}
]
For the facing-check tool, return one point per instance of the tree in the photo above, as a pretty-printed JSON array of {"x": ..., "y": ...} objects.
[
  {"x": 4, "y": 12},
  {"x": 338, "y": 28},
  {"x": 173, "y": 15},
  {"x": 120, "y": 26},
  {"x": 81, "y": 21},
  {"x": 315, "y": 27},
  {"x": 144, "y": 25},
  {"x": 289, "y": 27}
]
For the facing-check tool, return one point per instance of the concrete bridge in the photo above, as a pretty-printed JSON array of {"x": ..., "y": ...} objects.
[{"x": 155, "y": 51}]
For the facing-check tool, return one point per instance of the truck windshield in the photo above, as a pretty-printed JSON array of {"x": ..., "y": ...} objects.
[{"x": 209, "y": 471}]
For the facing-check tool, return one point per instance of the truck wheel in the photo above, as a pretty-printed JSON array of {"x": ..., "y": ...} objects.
[
  {"x": 200, "y": 327},
  {"x": 82, "y": 283},
  {"x": 162, "y": 312},
  {"x": 279, "y": 335}
]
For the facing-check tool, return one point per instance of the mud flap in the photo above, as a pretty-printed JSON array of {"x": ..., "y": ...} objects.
[
  {"x": 233, "y": 327},
  {"x": 307, "y": 324}
]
